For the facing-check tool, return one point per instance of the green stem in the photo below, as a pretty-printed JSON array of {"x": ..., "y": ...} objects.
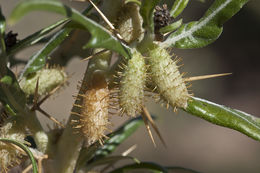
[
  {"x": 147, "y": 43},
  {"x": 68, "y": 149}
]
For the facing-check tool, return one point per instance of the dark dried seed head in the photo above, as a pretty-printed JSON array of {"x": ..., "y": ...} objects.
[
  {"x": 162, "y": 17},
  {"x": 10, "y": 39}
]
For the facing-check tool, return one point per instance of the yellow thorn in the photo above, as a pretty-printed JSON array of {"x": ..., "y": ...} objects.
[
  {"x": 50, "y": 117},
  {"x": 122, "y": 68},
  {"x": 106, "y": 20},
  {"x": 100, "y": 142},
  {"x": 79, "y": 106},
  {"x": 81, "y": 95},
  {"x": 167, "y": 105},
  {"x": 205, "y": 77},
  {"x": 76, "y": 113},
  {"x": 129, "y": 150},
  {"x": 175, "y": 109},
  {"x": 92, "y": 56},
  {"x": 148, "y": 128},
  {"x": 78, "y": 126},
  {"x": 150, "y": 119}
]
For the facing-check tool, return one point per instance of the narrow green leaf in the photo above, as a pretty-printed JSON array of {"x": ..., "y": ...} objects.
[
  {"x": 224, "y": 116},
  {"x": 172, "y": 27},
  {"x": 200, "y": 33},
  {"x": 39, "y": 36},
  {"x": 178, "y": 7},
  {"x": 2, "y": 22},
  {"x": 96, "y": 152},
  {"x": 146, "y": 11},
  {"x": 9, "y": 110},
  {"x": 117, "y": 137},
  {"x": 178, "y": 168},
  {"x": 108, "y": 160},
  {"x": 143, "y": 165},
  {"x": 35, "y": 37},
  {"x": 3, "y": 58},
  {"x": 11, "y": 93},
  {"x": 26, "y": 149},
  {"x": 38, "y": 60},
  {"x": 100, "y": 36}
]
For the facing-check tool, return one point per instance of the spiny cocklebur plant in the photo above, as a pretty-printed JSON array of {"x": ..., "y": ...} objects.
[{"x": 140, "y": 43}]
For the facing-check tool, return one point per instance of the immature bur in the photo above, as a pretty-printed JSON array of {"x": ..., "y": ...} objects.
[
  {"x": 48, "y": 78},
  {"x": 93, "y": 113},
  {"x": 131, "y": 86},
  {"x": 167, "y": 78}
]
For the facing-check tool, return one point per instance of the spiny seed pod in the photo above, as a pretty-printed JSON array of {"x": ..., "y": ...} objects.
[
  {"x": 132, "y": 85},
  {"x": 10, "y": 156},
  {"x": 94, "y": 110},
  {"x": 167, "y": 78},
  {"x": 49, "y": 78}
]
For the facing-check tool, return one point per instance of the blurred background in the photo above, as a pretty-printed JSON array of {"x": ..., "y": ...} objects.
[{"x": 191, "y": 142}]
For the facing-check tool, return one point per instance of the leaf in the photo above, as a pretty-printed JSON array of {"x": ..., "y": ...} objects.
[
  {"x": 100, "y": 36},
  {"x": 178, "y": 7},
  {"x": 200, "y": 33},
  {"x": 38, "y": 36},
  {"x": 117, "y": 137},
  {"x": 146, "y": 12},
  {"x": 11, "y": 93},
  {"x": 2, "y": 23},
  {"x": 177, "y": 168},
  {"x": 109, "y": 160},
  {"x": 96, "y": 152},
  {"x": 143, "y": 165},
  {"x": 26, "y": 149},
  {"x": 38, "y": 60},
  {"x": 3, "y": 58},
  {"x": 35, "y": 37},
  {"x": 173, "y": 26},
  {"x": 224, "y": 116}
]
